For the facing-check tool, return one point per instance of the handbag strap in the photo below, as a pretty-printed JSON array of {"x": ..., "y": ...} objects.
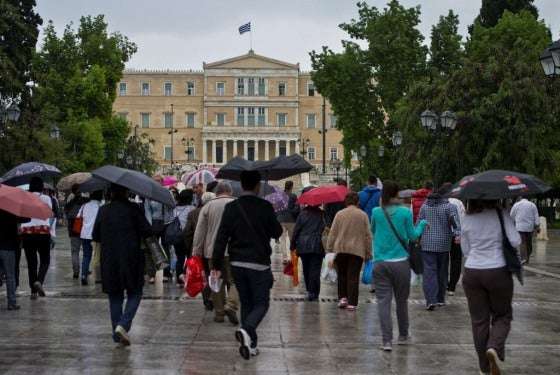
[
  {"x": 403, "y": 244},
  {"x": 248, "y": 222},
  {"x": 504, "y": 233}
]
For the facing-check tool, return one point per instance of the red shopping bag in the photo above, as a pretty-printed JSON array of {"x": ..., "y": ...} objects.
[{"x": 195, "y": 279}]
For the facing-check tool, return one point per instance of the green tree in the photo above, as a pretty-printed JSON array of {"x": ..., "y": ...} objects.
[
  {"x": 445, "y": 48},
  {"x": 492, "y": 10}
]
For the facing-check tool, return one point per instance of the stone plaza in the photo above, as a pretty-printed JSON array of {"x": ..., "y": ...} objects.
[{"x": 68, "y": 332}]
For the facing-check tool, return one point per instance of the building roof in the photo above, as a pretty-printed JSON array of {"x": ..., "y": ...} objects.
[{"x": 251, "y": 56}]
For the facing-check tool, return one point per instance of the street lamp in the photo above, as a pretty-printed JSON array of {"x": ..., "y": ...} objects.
[
  {"x": 381, "y": 151},
  {"x": 439, "y": 126},
  {"x": 304, "y": 143},
  {"x": 336, "y": 164},
  {"x": 550, "y": 59},
  {"x": 187, "y": 143},
  {"x": 8, "y": 112},
  {"x": 397, "y": 138},
  {"x": 55, "y": 132},
  {"x": 363, "y": 151}
]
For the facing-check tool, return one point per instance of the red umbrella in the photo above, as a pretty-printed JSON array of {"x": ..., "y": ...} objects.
[
  {"x": 21, "y": 203},
  {"x": 323, "y": 195}
]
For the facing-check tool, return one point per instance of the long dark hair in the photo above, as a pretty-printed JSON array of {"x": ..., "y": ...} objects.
[{"x": 390, "y": 191}]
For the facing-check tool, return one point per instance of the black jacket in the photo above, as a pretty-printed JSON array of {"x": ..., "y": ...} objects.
[
  {"x": 246, "y": 242},
  {"x": 290, "y": 214},
  {"x": 308, "y": 231}
]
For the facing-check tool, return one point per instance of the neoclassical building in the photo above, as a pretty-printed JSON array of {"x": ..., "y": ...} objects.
[{"x": 252, "y": 106}]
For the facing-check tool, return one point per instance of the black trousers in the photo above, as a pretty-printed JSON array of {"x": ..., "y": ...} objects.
[
  {"x": 254, "y": 294},
  {"x": 455, "y": 265},
  {"x": 312, "y": 264},
  {"x": 348, "y": 268},
  {"x": 181, "y": 253},
  {"x": 34, "y": 244}
]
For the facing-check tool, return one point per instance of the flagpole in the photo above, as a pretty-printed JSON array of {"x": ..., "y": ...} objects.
[{"x": 251, "y": 38}]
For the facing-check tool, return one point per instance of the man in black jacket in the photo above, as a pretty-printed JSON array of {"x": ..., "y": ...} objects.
[{"x": 248, "y": 224}]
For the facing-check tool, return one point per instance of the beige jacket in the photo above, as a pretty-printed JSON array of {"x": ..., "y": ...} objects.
[
  {"x": 209, "y": 221},
  {"x": 350, "y": 233}
]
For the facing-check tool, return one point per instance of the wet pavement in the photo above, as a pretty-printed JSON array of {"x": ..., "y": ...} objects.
[{"x": 68, "y": 332}]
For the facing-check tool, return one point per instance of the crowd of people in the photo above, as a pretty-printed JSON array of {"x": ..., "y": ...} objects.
[{"x": 233, "y": 236}]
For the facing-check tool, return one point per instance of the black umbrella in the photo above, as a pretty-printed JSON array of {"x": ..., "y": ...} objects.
[
  {"x": 136, "y": 182},
  {"x": 497, "y": 184},
  {"x": 266, "y": 188},
  {"x": 93, "y": 184},
  {"x": 272, "y": 170},
  {"x": 23, "y": 173}
]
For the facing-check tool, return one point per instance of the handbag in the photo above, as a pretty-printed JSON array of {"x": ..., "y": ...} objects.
[
  {"x": 78, "y": 222},
  {"x": 367, "y": 274},
  {"x": 511, "y": 255},
  {"x": 158, "y": 255},
  {"x": 325, "y": 234},
  {"x": 412, "y": 248}
]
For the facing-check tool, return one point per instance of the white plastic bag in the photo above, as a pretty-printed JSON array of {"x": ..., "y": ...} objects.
[
  {"x": 328, "y": 272},
  {"x": 215, "y": 283}
]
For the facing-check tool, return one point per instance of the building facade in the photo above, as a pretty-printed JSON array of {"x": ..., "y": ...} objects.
[{"x": 250, "y": 106}]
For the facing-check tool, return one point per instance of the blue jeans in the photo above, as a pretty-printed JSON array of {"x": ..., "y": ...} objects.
[
  {"x": 8, "y": 259},
  {"x": 120, "y": 317},
  {"x": 86, "y": 259},
  {"x": 435, "y": 276}
]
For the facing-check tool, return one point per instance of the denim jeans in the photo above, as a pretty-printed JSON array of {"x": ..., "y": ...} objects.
[
  {"x": 436, "y": 270},
  {"x": 8, "y": 259},
  {"x": 75, "y": 244},
  {"x": 120, "y": 317},
  {"x": 86, "y": 259}
]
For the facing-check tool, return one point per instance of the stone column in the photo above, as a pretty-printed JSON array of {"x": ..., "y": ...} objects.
[
  {"x": 245, "y": 149},
  {"x": 213, "y": 151},
  {"x": 256, "y": 149},
  {"x": 204, "y": 152},
  {"x": 277, "y": 142},
  {"x": 297, "y": 148},
  {"x": 234, "y": 147},
  {"x": 266, "y": 150},
  {"x": 225, "y": 151}
]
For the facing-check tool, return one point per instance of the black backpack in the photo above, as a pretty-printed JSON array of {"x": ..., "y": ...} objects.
[{"x": 173, "y": 234}]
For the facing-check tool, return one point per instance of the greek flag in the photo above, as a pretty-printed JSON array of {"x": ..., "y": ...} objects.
[{"x": 245, "y": 28}]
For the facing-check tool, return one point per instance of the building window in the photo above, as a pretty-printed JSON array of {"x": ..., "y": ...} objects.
[
  {"x": 311, "y": 153},
  {"x": 281, "y": 119},
  {"x": 282, "y": 89},
  {"x": 310, "y": 89},
  {"x": 168, "y": 120},
  {"x": 311, "y": 120},
  {"x": 333, "y": 121},
  {"x": 167, "y": 89},
  {"x": 261, "y": 118},
  {"x": 145, "y": 120},
  {"x": 262, "y": 87},
  {"x": 251, "y": 116},
  {"x": 241, "y": 116},
  {"x": 122, "y": 89},
  {"x": 251, "y": 86},
  {"x": 190, "y": 88},
  {"x": 220, "y": 88},
  {"x": 251, "y": 152},
  {"x": 334, "y": 153},
  {"x": 282, "y": 148},
  {"x": 219, "y": 152},
  {"x": 167, "y": 153},
  {"x": 145, "y": 89},
  {"x": 190, "y": 119},
  {"x": 240, "y": 86},
  {"x": 220, "y": 119},
  {"x": 122, "y": 115}
]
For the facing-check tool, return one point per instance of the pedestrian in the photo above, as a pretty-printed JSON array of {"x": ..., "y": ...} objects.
[
  {"x": 392, "y": 225},
  {"x": 370, "y": 196},
  {"x": 443, "y": 229},
  {"x": 188, "y": 235},
  {"x": 159, "y": 216},
  {"x": 526, "y": 217},
  {"x": 456, "y": 254},
  {"x": 248, "y": 225},
  {"x": 89, "y": 213},
  {"x": 119, "y": 228},
  {"x": 184, "y": 207},
  {"x": 209, "y": 221},
  {"x": 306, "y": 242},
  {"x": 198, "y": 190},
  {"x": 419, "y": 197},
  {"x": 9, "y": 244},
  {"x": 487, "y": 282},
  {"x": 287, "y": 219},
  {"x": 350, "y": 238},
  {"x": 71, "y": 210},
  {"x": 53, "y": 220},
  {"x": 331, "y": 209},
  {"x": 36, "y": 240}
]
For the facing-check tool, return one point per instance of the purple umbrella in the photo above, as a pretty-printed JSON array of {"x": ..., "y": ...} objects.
[
  {"x": 278, "y": 199},
  {"x": 23, "y": 173}
]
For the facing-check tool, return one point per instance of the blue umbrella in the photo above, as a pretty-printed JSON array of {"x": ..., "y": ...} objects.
[{"x": 23, "y": 173}]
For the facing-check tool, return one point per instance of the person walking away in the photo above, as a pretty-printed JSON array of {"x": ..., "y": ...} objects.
[
  {"x": 455, "y": 255},
  {"x": 184, "y": 207},
  {"x": 9, "y": 245},
  {"x": 526, "y": 217},
  {"x": 71, "y": 210},
  {"x": 392, "y": 225},
  {"x": 36, "y": 240},
  {"x": 443, "y": 228},
  {"x": 209, "y": 221},
  {"x": 198, "y": 190},
  {"x": 188, "y": 235},
  {"x": 248, "y": 225},
  {"x": 419, "y": 198},
  {"x": 53, "y": 220},
  {"x": 331, "y": 209},
  {"x": 119, "y": 228},
  {"x": 287, "y": 219},
  {"x": 487, "y": 282},
  {"x": 159, "y": 216},
  {"x": 350, "y": 239},
  {"x": 89, "y": 214},
  {"x": 370, "y": 196},
  {"x": 306, "y": 241}
]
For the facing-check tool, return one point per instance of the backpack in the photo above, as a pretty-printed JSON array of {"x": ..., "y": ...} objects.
[{"x": 173, "y": 234}]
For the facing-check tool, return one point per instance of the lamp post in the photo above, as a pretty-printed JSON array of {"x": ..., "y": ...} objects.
[
  {"x": 397, "y": 138},
  {"x": 55, "y": 132},
  {"x": 336, "y": 164},
  {"x": 438, "y": 126},
  {"x": 8, "y": 113},
  {"x": 171, "y": 133},
  {"x": 550, "y": 59},
  {"x": 304, "y": 143},
  {"x": 361, "y": 156},
  {"x": 187, "y": 143}
]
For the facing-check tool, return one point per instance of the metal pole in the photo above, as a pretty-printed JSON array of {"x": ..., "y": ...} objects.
[
  {"x": 172, "y": 137},
  {"x": 324, "y": 134}
]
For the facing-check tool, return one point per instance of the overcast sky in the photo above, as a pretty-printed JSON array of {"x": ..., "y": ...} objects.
[{"x": 181, "y": 34}]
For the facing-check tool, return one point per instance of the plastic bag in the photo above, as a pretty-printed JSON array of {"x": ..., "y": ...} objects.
[
  {"x": 328, "y": 272},
  {"x": 215, "y": 283},
  {"x": 195, "y": 279},
  {"x": 367, "y": 275}
]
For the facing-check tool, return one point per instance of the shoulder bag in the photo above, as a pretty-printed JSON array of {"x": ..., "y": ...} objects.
[
  {"x": 511, "y": 255},
  {"x": 414, "y": 255},
  {"x": 78, "y": 222}
]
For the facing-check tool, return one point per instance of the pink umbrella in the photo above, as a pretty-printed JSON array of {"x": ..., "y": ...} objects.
[
  {"x": 23, "y": 204},
  {"x": 169, "y": 180},
  {"x": 323, "y": 195},
  {"x": 203, "y": 176},
  {"x": 279, "y": 199},
  {"x": 187, "y": 176}
]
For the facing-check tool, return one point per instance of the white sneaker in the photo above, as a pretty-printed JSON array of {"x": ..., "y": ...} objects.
[
  {"x": 254, "y": 352},
  {"x": 387, "y": 347},
  {"x": 123, "y": 336},
  {"x": 243, "y": 338},
  {"x": 492, "y": 356}
]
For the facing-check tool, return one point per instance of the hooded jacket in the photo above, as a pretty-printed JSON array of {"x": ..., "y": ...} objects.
[
  {"x": 418, "y": 199},
  {"x": 369, "y": 198}
]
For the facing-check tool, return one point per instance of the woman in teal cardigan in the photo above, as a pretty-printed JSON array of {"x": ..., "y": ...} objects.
[{"x": 392, "y": 270}]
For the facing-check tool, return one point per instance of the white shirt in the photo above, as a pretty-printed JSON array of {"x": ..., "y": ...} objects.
[
  {"x": 89, "y": 213},
  {"x": 481, "y": 239},
  {"x": 526, "y": 216},
  {"x": 460, "y": 208}
]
